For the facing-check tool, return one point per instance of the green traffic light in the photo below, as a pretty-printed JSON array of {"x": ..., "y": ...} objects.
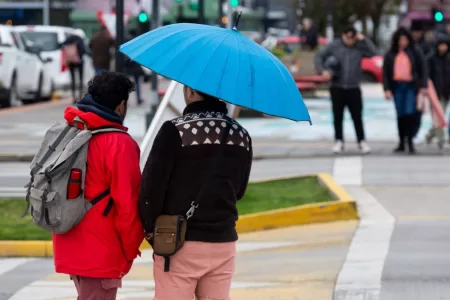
[
  {"x": 439, "y": 16},
  {"x": 234, "y": 2},
  {"x": 143, "y": 17}
]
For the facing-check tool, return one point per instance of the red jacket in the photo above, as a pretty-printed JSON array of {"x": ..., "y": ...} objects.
[{"x": 104, "y": 247}]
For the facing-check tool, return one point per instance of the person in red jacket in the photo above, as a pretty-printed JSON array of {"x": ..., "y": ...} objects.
[{"x": 100, "y": 250}]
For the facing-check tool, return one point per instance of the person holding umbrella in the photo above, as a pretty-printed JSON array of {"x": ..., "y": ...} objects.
[{"x": 200, "y": 163}]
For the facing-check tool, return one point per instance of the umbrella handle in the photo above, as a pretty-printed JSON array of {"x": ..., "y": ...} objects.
[{"x": 236, "y": 23}]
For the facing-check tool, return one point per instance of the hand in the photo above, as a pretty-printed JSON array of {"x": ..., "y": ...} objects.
[
  {"x": 423, "y": 91},
  {"x": 360, "y": 36},
  {"x": 388, "y": 95},
  {"x": 326, "y": 75}
]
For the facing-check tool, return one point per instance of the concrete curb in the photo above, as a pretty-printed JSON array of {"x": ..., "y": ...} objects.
[{"x": 342, "y": 207}]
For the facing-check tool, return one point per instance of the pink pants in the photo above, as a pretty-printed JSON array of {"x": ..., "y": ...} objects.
[
  {"x": 201, "y": 269},
  {"x": 95, "y": 288}
]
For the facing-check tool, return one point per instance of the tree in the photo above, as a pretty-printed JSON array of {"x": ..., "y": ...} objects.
[{"x": 345, "y": 10}]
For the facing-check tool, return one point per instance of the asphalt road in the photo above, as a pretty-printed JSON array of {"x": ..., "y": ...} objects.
[{"x": 399, "y": 250}]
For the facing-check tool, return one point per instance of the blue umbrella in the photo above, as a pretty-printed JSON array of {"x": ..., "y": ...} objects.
[{"x": 222, "y": 63}]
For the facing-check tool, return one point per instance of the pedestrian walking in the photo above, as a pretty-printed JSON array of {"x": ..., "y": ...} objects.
[
  {"x": 419, "y": 36},
  {"x": 439, "y": 68},
  {"x": 74, "y": 51},
  {"x": 100, "y": 45},
  {"x": 405, "y": 74},
  {"x": 92, "y": 211},
  {"x": 134, "y": 70},
  {"x": 347, "y": 51},
  {"x": 203, "y": 157},
  {"x": 309, "y": 35}
]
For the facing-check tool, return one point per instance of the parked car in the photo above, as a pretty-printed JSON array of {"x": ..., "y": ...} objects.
[
  {"x": 49, "y": 39},
  {"x": 23, "y": 72},
  {"x": 372, "y": 68}
]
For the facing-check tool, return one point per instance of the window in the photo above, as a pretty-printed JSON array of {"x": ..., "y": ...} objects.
[{"x": 46, "y": 41}]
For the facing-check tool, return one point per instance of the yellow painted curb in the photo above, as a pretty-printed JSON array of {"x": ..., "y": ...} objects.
[
  {"x": 56, "y": 96},
  {"x": 342, "y": 207},
  {"x": 26, "y": 249}
]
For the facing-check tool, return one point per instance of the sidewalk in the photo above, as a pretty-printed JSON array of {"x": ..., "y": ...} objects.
[{"x": 22, "y": 129}]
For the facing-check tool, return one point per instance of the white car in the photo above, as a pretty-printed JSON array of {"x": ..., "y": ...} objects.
[
  {"x": 23, "y": 74},
  {"x": 49, "y": 39}
]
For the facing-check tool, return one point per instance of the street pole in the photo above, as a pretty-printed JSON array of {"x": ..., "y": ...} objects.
[
  {"x": 155, "y": 99},
  {"x": 229, "y": 15},
  {"x": 201, "y": 11},
  {"x": 119, "y": 35},
  {"x": 46, "y": 12},
  {"x": 220, "y": 13},
  {"x": 330, "y": 32}
]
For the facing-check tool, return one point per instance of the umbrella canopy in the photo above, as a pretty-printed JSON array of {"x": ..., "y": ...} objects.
[{"x": 222, "y": 63}]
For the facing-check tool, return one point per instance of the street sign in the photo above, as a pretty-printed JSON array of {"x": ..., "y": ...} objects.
[{"x": 108, "y": 19}]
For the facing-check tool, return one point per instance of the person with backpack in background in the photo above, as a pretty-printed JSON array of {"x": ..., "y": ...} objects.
[
  {"x": 74, "y": 50},
  {"x": 439, "y": 69},
  {"x": 84, "y": 188},
  {"x": 197, "y": 169},
  {"x": 405, "y": 74},
  {"x": 100, "y": 45}
]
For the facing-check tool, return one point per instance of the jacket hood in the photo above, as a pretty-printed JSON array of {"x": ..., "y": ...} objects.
[{"x": 93, "y": 114}]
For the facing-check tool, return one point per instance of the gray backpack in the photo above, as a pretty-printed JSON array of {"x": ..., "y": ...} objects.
[{"x": 55, "y": 192}]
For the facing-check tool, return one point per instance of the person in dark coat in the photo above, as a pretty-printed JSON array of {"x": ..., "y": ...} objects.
[
  {"x": 418, "y": 34},
  {"x": 405, "y": 74},
  {"x": 100, "y": 45},
  {"x": 76, "y": 67},
  {"x": 134, "y": 70},
  {"x": 309, "y": 33},
  {"x": 191, "y": 152},
  {"x": 439, "y": 67}
]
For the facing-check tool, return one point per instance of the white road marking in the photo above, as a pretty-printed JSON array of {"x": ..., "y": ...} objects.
[
  {"x": 360, "y": 276},
  {"x": 348, "y": 170},
  {"x": 8, "y": 264}
]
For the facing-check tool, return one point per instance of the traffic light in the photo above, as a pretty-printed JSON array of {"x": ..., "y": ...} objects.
[
  {"x": 234, "y": 3},
  {"x": 144, "y": 22},
  {"x": 438, "y": 16},
  {"x": 143, "y": 17}
]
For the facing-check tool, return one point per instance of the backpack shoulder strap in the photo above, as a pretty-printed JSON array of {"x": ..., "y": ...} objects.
[{"x": 107, "y": 129}]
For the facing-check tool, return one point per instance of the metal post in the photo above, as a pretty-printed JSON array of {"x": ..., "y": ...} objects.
[
  {"x": 201, "y": 11},
  {"x": 119, "y": 35},
  {"x": 154, "y": 80},
  {"x": 330, "y": 32},
  {"x": 220, "y": 13},
  {"x": 229, "y": 15},
  {"x": 46, "y": 12}
]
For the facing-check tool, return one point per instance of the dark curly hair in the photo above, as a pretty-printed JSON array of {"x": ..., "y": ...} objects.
[
  {"x": 110, "y": 88},
  {"x": 402, "y": 31}
]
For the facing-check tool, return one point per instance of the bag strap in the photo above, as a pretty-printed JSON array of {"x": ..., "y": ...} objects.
[
  {"x": 102, "y": 196},
  {"x": 223, "y": 144}
]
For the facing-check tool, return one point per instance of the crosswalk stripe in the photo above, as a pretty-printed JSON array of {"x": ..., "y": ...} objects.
[{"x": 9, "y": 264}]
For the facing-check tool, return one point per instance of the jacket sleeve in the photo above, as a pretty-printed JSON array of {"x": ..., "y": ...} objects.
[
  {"x": 244, "y": 182},
  {"x": 125, "y": 177},
  {"x": 321, "y": 56},
  {"x": 156, "y": 174},
  {"x": 387, "y": 80},
  {"x": 365, "y": 48}
]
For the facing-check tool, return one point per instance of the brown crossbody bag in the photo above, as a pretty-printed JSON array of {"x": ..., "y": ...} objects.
[{"x": 170, "y": 231}]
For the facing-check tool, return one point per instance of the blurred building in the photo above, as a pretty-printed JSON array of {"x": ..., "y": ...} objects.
[{"x": 29, "y": 12}]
